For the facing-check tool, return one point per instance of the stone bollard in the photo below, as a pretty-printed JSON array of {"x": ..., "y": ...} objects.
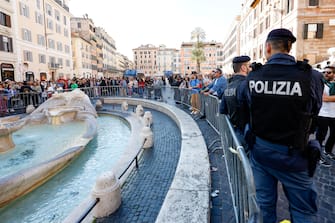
[
  {"x": 148, "y": 135},
  {"x": 139, "y": 111},
  {"x": 98, "y": 105},
  {"x": 107, "y": 189},
  {"x": 124, "y": 106},
  {"x": 147, "y": 118}
]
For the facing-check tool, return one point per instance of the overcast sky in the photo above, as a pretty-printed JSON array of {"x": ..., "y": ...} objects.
[{"x": 132, "y": 23}]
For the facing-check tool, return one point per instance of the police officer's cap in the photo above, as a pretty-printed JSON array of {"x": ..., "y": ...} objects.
[
  {"x": 281, "y": 34},
  {"x": 241, "y": 59}
]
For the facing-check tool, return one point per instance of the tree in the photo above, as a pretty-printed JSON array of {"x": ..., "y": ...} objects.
[{"x": 198, "y": 55}]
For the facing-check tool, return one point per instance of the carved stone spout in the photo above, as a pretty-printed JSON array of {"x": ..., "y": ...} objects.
[{"x": 7, "y": 127}]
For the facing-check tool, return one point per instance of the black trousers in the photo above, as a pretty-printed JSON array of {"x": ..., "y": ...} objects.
[{"x": 323, "y": 124}]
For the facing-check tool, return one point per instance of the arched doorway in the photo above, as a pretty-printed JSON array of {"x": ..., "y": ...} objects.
[
  {"x": 7, "y": 71},
  {"x": 43, "y": 76},
  {"x": 30, "y": 76}
]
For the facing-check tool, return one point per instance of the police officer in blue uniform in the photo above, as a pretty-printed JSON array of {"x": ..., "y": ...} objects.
[
  {"x": 285, "y": 95},
  {"x": 233, "y": 103}
]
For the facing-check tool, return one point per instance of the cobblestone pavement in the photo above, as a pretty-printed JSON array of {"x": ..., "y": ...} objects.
[
  {"x": 325, "y": 186},
  {"x": 222, "y": 205},
  {"x": 145, "y": 190}
]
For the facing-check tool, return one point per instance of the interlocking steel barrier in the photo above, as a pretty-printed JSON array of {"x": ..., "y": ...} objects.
[
  {"x": 211, "y": 110},
  {"x": 237, "y": 163},
  {"x": 240, "y": 176}
]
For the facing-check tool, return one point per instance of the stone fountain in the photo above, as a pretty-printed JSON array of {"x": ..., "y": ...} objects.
[
  {"x": 73, "y": 106},
  {"x": 329, "y": 62},
  {"x": 9, "y": 125}
]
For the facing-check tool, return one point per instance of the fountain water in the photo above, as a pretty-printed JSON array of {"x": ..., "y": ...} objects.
[{"x": 55, "y": 200}]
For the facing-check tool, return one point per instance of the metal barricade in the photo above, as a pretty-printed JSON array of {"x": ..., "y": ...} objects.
[
  {"x": 211, "y": 110},
  {"x": 240, "y": 176}
]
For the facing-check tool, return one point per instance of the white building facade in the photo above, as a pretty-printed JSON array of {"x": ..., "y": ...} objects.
[{"x": 43, "y": 40}]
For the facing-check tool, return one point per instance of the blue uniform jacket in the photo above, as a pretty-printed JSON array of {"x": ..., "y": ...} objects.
[
  {"x": 275, "y": 155},
  {"x": 241, "y": 93}
]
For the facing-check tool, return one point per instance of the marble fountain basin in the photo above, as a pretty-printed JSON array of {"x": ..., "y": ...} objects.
[{"x": 65, "y": 108}]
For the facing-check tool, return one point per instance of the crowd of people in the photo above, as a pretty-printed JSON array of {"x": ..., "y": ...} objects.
[
  {"x": 15, "y": 94},
  {"x": 188, "y": 88},
  {"x": 20, "y": 94}
]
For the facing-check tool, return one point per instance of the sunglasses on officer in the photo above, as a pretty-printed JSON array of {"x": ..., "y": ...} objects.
[{"x": 327, "y": 72}]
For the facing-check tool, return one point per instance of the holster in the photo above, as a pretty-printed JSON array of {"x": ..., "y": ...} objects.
[
  {"x": 313, "y": 154},
  {"x": 250, "y": 139}
]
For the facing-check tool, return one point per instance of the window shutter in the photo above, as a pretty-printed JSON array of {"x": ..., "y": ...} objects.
[
  {"x": 319, "y": 31},
  {"x": 313, "y": 2},
  {"x": 1, "y": 43},
  {"x": 305, "y": 30},
  {"x": 20, "y": 5},
  {"x": 8, "y": 22},
  {"x": 10, "y": 45}
]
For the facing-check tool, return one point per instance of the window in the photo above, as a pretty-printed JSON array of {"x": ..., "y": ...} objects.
[
  {"x": 40, "y": 40},
  {"x": 58, "y": 28},
  {"x": 48, "y": 9},
  {"x": 5, "y": 19},
  {"x": 59, "y": 46},
  {"x": 38, "y": 18},
  {"x": 313, "y": 2},
  {"x": 67, "y": 48},
  {"x": 52, "y": 60},
  {"x": 26, "y": 35},
  {"x": 66, "y": 32},
  {"x": 313, "y": 31},
  {"x": 27, "y": 55},
  {"x": 24, "y": 10},
  {"x": 50, "y": 24},
  {"x": 261, "y": 28},
  {"x": 260, "y": 53},
  {"x": 42, "y": 58},
  {"x": 67, "y": 62},
  {"x": 57, "y": 15},
  {"x": 255, "y": 33},
  {"x": 38, "y": 4},
  {"x": 289, "y": 6},
  {"x": 78, "y": 25},
  {"x": 6, "y": 44},
  {"x": 267, "y": 22},
  {"x": 60, "y": 61},
  {"x": 51, "y": 43},
  {"x": 64, "y": 19}
]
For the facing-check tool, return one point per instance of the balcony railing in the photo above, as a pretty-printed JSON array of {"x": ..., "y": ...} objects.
[
  {"x": 66, "y": 7},
  {"x": 59, "y": 2},
  {"x": 54, "y": 66}
]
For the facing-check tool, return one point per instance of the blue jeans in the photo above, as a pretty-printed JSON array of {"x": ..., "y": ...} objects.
[{"x": 298, "y": 188}]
